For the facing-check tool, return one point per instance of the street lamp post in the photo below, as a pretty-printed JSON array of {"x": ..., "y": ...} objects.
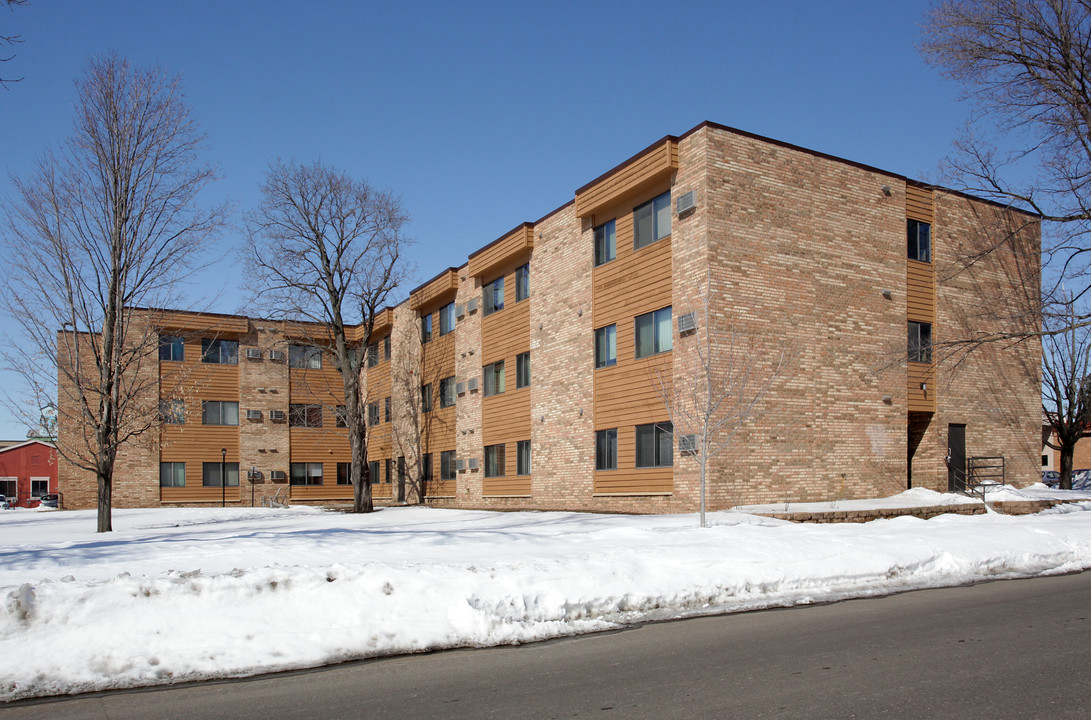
[{"x": 223, "y": 477}]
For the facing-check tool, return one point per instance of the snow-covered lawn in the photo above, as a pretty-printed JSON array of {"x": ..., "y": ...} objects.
[{"x": 185, "y": 594}]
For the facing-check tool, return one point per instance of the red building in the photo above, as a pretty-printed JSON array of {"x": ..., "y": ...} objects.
[{"x": 28, "y": 470}]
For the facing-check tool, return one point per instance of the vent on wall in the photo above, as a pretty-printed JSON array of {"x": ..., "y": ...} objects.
[
  {"x": 276, "y": 354},
  {"x": 277, "y": 476},
  {"x": 276, "y": 415},
  {"x": 460, "y": 388},
  {"x": 253, "y": 354},
  {"x": 460, "y": 464},
  {"x": 473, "y": 463},
  {"x": 471, "y": 384},
  {"x": 471, "y": 305},
  {"x": 687, "y": 323},
  {"x": 686, "y": 201},
  {"x": 687, "y": 444},
  {"x": 460, "y": 311},
  {"x": 253, "y": 414}
]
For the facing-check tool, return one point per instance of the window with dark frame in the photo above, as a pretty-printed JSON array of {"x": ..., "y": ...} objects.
[
  {"x": 426, "y": 328},
  {"x": 211, "y": 474},
  {"x": 305, "y": 473},
  {"x": 606, "y": 346},
  {"x": 344, "y": 473},
  {"x": 447, "y": 392},
  {"x": 172, "y": 347},
  {"x": 606, "y": 449},
  {"x": 447, "y": 466},
  {"x": 652, "y": 221},
  {"x": 341, "y": 416},
  {"x": 493, "y": 378},
  {"x": 372, "y": 414},
  {"x": 387, "y": 409},
  {"x": 522, "y": 370},
  {"x": 172, "y": 474},
  {"x": 373, "y": 472},
  {"x": 494, "y": 460},
  {"x": 220, "y": 352},
  {"x": 219, "y": 412},
  {"x": 386, "y": 348},
  {"x": 522, "y": 282},
  {"x": 446, "y": 318},
  {"x": 389, "y": 477},
  {"x": 919, "y": 345},
  {"x": 307, "y": 357},
  {"x": 172, "y": 411},
  {"x": 654, "y": 445},
  {"x": 426, "y": 468},
  {"x": 919, "y": 240},
  {"x": 373, "y": 354},
  {"x": 522, "y": 457},
  {"x": 426, "y": 398},
  {"x": 493, "y": 292},
  {"x": 300, "y": 415},
  {"x": 605, "y": 243},
  {"x": 39, "y": 487},
  {"x": 654, "y": 333}
]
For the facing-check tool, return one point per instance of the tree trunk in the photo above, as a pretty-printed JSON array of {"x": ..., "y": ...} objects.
[
  {"x": 1067, "y": 450},
  {"x": 105, "y": 498}
]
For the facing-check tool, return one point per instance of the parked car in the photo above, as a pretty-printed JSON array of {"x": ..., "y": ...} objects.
[
  {"x": 1051, "y": 478},
  {"x": 51, "y": 500},
  {"x": 4, "y": 504}
]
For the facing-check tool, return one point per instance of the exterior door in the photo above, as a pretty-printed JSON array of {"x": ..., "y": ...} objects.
[{"x": 956, "y": 457}]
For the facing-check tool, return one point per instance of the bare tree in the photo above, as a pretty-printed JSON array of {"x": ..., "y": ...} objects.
[
  {"x": 106, "y": 223},
  {"x": 1025, "y": 66},
  {"x": 327, "y": 249},
  {"x": 10, "y": 40},
  {"x": 1066, "y": 388},
  {"x": 717, "y": 388}
]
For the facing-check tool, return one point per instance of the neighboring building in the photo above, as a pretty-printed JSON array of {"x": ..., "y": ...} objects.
[
  {"x": 28, "y": 470},
  {"x": 526, "y": 377}
]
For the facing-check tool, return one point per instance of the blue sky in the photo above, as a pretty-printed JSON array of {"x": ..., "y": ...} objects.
[{"x": 483, "y": 115}]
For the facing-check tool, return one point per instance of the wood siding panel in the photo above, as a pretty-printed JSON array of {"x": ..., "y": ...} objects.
[
  {"x": 921, "y": 400},
  {"x": 511, "y": 249},
  {"x": 325, "y": 491},
  {"x": 443, "y": 287},
  {"x": 920, "y": 291},
  {"x": 653, "y": 166},
  {"x": 322, "y": 387},
  {"x": 508, "y": 486},
  {"x": 198, "y": 494},
  {"x": 918, "y": 203}
]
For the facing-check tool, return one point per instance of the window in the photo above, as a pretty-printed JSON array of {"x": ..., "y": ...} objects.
[
  {"x": 426, "y": 467},
  {"x": 386, "y": 348},
  {"x": 341, "y": 416},
  {"x": 493, "y": 378},
  {"x": 920, "y": 342},
  {"x": 919, "y": 239},
  {"x": 216, "y": 412},
  {"x": 494, "y": 295},
  {"x": 373, "y": 414},
  {"x": 605, "y": 243},
  {"x": 305, "y": 416},
  {"x": 40, "y": 486},
  {"x": 171, "y": 347},
  {"x": 305, "y": 356},
  {"x": 173, "y": 412},
  {"x": 426, "y": 398},
  {"x": 373, "y": 473},
  {"x": 654, "y": 333},
  {"x": 9, "y": 487},
  {"x": 494, "y": 461},
  {"x": 447, "y": 467},
  {"x": 373, "y": 354},
  {"x": 220, "y": 352},
  {"x": 606, "y": 346},
  {"x": 426, "y": 328},
  {"x": 522, "y": 370},
  {"x": 447, "y": 392},
  {"x": 344, "y": 473},
  {"x": 654, "y": 445},
  {"x": 522, "y": 282},
  {"x": 446, "y": 318},
  {"x": 652, "y": 221},
  {"x": 386, "y": 409},
  {"x": 172, "y": 474},
  {"x": 211, "y": 475},
  {"x": 522, "y": 457},
  {"x": 388, "y": 477},
  {"x": 305, "y": 474},
  {"x": 606, "y": 449}
]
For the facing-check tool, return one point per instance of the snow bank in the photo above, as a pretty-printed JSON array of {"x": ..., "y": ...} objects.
[{"x": 188, "y": 594}]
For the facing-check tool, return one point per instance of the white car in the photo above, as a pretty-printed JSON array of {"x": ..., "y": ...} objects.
[{"x": 4, "y": 504}]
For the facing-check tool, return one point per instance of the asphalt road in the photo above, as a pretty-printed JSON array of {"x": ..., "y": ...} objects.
[{"x": 1014, "y": 649}]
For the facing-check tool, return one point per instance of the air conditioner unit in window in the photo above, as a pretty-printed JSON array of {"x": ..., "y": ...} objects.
[
  {"x": 460, "y": 311},
  {"x": 276, "y": 415},
  {"x": 277, "y": 355},
  {"x": 687, "y": 323},
  {"x": 686, "y": 201},
  {"x": 460, "y": 464},
  {"x": 473, "y": 463},
  {"x": 277, "y": 476},
  {"x": 471, "y": 305},
  {"x": 253, "y": 354},
  {"x": 471, "y": 384},
  {"x": 460, "y": 388},
  {"x": 253, "y": 414},
  {"x": 687, "y": 444}
]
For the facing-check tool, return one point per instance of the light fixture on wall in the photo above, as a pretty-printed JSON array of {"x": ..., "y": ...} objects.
[
  {"x": 886, "y": 190},
  {"x": 888, "y": 294},
  {"x": 888, "y": 400},
  {"x": 924, "y": 386}
]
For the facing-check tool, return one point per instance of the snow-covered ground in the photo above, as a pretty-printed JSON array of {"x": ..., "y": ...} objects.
[{"x": 185, "y": 594}]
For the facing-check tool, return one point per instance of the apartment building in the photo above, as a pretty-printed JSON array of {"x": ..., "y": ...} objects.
[{"x": 531, "y": 375}]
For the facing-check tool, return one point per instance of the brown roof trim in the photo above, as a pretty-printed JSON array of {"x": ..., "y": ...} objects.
[
  {"x": 480, "y": 250},
  {"x": 657, "y": 145},
  {"x": 435, "y": 277}
]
